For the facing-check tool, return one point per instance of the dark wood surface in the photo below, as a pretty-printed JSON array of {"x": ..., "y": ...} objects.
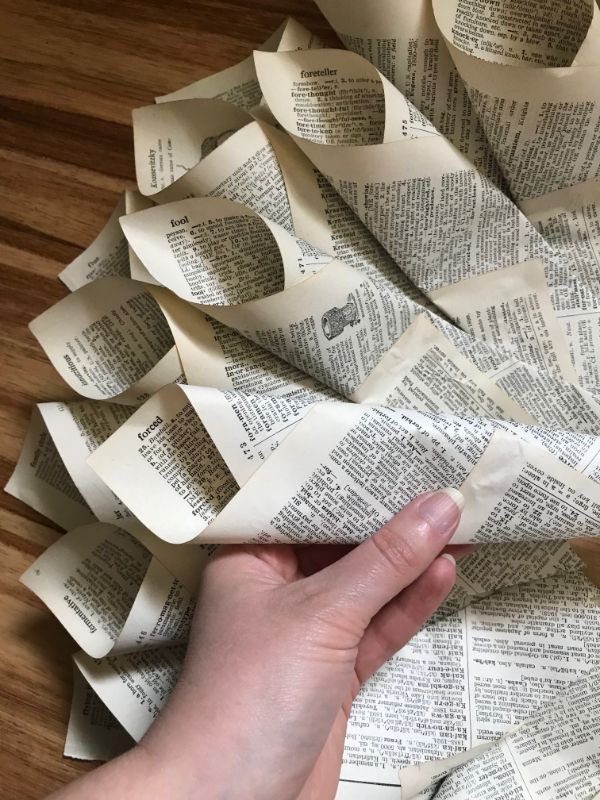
[{"x": 71, "y": 71}]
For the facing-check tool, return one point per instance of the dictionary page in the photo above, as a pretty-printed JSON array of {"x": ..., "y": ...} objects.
[
  {"x": 77, "y": 429},
  {"x": 108, "y": 592},
  {"x": 441, "y": 221},
  {"x": 134, "y": 201},
  {"x": 521, "y": 316},
  {"x": 343, "y": 470},
  {"x": 326, "y": 481},
  {"x": 105, "y": 257},
  {"x": 213, "y": 354},
  {"x": 93, "y": 733},
  {"x": 133, "y": 686},
  {"x": 495, "y": 566},
  {"x": 455, "y": 701},
  {"x": 52, "y": 477},
  {"x": 553, "y": 754},
  {"x": 41, "y": 480},
  {"x": 468, "y": 679},
  {"x": 109, "y": 341},
  {"x": 424, "y": 371},
  {"x": 165, "y": 448},
  {"x": 170, "y": 138},
  {"x": 263, "y": 168},
  {"x": 401, "y": 38},
  {"x": 382, "y": 161},
  {"x": 181, "y": 458},
  {"x": 569, "y": 221},
  {"x": 537, "y": 99},
  {"x": 532, "y": 70},
  {"x": 334, "y": 325},
  {"x": 324, "y": 317}
]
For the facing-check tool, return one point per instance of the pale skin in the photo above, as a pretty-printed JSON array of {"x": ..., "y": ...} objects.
[{"x": 282, "y": 640}]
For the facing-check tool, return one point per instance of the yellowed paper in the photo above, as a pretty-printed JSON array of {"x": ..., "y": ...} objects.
[
  {"x": 511, "y": 308},
  {"x": 134, "y": 201},
  {"x": 569, "y": 221},
  {"x": 438, "y": 218},
  {"x": 41, "y": 480},
  {"x": 554, "y": 752},
  {"x": 109, "y": 593},
  {"x": 106, "y": 256},
  {"x": 109, "y": 340},
  {"x": 171, "y": 138},
  {"x": 532, "y": 74},
  {"x": 93, "y": 733},
  {"x": 401, "y": 39},
  {"x": 425, "y": 372}
]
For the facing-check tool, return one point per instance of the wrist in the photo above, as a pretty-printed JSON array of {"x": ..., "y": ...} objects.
[{"x": 186, "y": 757}]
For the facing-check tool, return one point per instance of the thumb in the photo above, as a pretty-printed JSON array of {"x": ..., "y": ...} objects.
[{"x": 373, "y": 573}]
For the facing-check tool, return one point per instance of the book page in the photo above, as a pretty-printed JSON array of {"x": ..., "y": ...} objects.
[
  {"x": 52, "y": 477},
  {"x": 326, "y": 480},
  {"x": 425, "y": 372},
  {"x": 106, "y": 256},
  {"x": 401, "y": 39},
  {"x": 526, "y": 83},
  {"x": 246, "y": 428},
  {"x": 171, "y": 138},
  {"x": 320, "y": 489},
  {"x": 468, "y": 679},
  {"x": 357, "y": 790},
  {"x": 108, "y": 592},
  {"x": 109, "y": 341},
  {"x": 181, "y": 458},
  {"x": 133, "y": 686},
  {"x": 41, "y": 479},
  {"x": 134, "y": 201},
  {"x": 511, "y": 308},
  {"x": 569, "y": 221},
  {"x": 495, "y": 566},
  {"x": 165, "y": 448},
  {"x": 553, "y": 754},
  {"x": 93, "y": 733},
  {"x": 357, "y": 320},
  {"x": 215, "y": 355},
  {"x": 438, "y": 217},
  {"x": 77, "y": 429},
  {"x": 261, "y": 167},
  {"x": 297, "y": 325}
]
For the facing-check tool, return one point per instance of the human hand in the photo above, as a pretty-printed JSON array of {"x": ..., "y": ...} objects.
[{"x": 282, "y": 640}]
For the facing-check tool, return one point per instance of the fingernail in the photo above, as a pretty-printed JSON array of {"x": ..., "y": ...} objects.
[
  {"x": 449, "y": 557},
  {"x": 442, "y": 510}
]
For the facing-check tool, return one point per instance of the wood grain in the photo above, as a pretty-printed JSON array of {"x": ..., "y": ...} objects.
[{"x": 71, "y": 71}]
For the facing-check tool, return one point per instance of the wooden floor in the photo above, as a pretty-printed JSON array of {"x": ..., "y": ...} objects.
[{"x": 71, "y": 71}]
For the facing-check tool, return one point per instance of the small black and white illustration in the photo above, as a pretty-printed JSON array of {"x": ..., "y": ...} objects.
[{"x": 337, "y": 319}]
